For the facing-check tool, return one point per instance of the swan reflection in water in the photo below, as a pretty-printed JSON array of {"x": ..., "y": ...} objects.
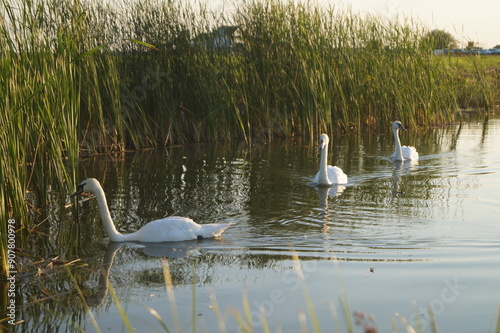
[
  {"x": 401, "y": 168},
  {"x": 396, "y": 175},
  {"x": 323, "y": 194},
  {"x": 163, "y": 250}
]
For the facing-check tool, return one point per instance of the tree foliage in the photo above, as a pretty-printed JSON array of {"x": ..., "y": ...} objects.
[{"x": 438, "y": 40}]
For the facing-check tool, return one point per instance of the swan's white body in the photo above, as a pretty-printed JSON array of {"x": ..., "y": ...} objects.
[
  {"x": 402, "y": 153},
  {"x": 170, "y": 229},
  {"x": 327, "y": 174}
]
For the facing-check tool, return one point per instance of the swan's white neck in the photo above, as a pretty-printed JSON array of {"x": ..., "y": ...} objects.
[
  {"x": 107, "y": 222},
  {"x": 323, "y": 173},
  {"x": 398, "y": 153}
]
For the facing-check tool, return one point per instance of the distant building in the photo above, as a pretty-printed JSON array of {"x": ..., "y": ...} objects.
[{"x": 226, "y": 37}]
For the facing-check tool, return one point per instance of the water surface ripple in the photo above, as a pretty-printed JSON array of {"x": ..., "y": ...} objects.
[{"x": 397, "y": 233}]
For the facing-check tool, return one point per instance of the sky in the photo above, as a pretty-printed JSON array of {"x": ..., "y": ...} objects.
[{"x": 471, "y": 20}]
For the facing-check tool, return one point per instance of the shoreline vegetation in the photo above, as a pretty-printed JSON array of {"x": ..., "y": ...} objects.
[{"x": 80, "y": 77}]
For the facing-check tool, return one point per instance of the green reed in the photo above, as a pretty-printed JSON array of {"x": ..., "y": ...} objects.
[
  {"x": 39, "y": 110},
  {"x": 336, "y": 71},
  {"x": 79, "y": 77},
  {"x": 477, "y": 80}
]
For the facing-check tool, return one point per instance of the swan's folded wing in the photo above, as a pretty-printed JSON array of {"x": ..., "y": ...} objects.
[
  {"x": 176, "y": 229},
  {"x": 336, "y": 175},
  {"x": 410, "y": 153}
]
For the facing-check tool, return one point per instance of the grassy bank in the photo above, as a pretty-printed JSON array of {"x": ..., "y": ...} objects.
[
  {"x": 78, "y": 78},
  {"x": 477, "y": 80}
]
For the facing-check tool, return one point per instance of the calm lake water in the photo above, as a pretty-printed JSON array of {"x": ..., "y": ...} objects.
[{"x": 397, "y": 239}]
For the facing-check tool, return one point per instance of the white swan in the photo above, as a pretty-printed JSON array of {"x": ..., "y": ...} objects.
[
  {"x": 169, "y": 229},
  {"x": 402, "y": 153},
  {"x": 327, "y": 174}
]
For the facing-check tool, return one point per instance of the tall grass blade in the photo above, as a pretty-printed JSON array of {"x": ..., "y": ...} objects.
[
  {"x": 432, "y": 321},
  {"x": 89, "y": 52},
  {"x": 498, "y": 321},
  {"x": 312, "y": 314},
  {"x": 158, "y": 318},
  {"x": 335, "y": 316},
  {"x": 193, "y": 297},
  {"x": 265, "y": 325},
  {"x": 246, "y": 310},
  {"x": 151, "y": 46},
  {"x": 218, "y": 314},
  {"x": 170, "y": 293},
  {"x": 243, "y": 326},
  {"x": 121, "y": 310},
  {"x": 343, "y": 297},
  {"x": 84, "y": 302}
]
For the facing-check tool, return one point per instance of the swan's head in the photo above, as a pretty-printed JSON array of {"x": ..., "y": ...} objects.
[
  {"x": 323, "y": 141},
  {"x": 397, "y": 125},
  {"x": 87, "y": 186}
]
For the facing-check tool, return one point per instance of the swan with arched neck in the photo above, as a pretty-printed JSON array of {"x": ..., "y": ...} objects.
[{"x": 169, "y": 229}]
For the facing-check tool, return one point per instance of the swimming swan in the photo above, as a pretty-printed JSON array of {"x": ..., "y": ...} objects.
[
  {"x": 404, "y": 152},
  {"x": 169, "y": 229},
  {"x": 327, "y": 174}
]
